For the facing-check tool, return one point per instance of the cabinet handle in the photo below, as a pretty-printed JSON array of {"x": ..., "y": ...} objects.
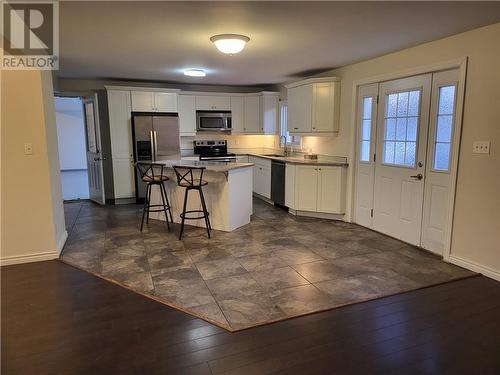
[
  {"x": 320, "y": 169},
  {"x": 295, "y": 128}
]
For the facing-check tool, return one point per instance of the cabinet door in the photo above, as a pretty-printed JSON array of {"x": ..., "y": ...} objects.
[
  {"x": 323, "y": 107},
  {"x": 237, "y": 114},
  {"x": 187, "y": 114},
  {"x": 290, "y": 186},
  {"x": 123, "y": 178},
  {"x": 165, "y": 102},
  {"x": 300, "y": 109},
  {"x": 252, "y": 114},
  {"x": 266, "y": 182},
  {"x": 307, "y": 187},
  {"x": 270, "y": 114},
  {"x": 120, "y": 126},
  {"x": 330, "y": 190},
  {"x": 143, "y": 101},
  {"x": 213, "y": 103}
]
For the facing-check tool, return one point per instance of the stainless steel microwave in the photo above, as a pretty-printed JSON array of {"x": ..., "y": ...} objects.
[{"x": 216, "y": 121}]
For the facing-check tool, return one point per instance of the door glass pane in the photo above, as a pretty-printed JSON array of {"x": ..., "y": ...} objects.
[
  {"x": 366, "y": 126},
  {"x": 444, "y": 128},
  {"x": 401, "y": 128}
]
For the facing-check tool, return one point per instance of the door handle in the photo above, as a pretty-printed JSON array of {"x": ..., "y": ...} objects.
[{"x": 418, "y": 176}]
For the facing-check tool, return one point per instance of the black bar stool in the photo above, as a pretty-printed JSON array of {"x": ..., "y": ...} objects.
[
  {"x": 192, "y": 179},
  {"x": 154, "y": 174}
]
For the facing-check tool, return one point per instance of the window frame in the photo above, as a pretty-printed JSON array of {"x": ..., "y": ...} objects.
[
  {"x": 361, "y": 120},
  {"x": 453, "y": 122}
]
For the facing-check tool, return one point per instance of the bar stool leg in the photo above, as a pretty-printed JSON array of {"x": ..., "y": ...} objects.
[
  {"x": 183, "y": 213},
  {"x": 205, "y": 212},
  {"x": 148, "y": 197},
  {"x": 168, "y": 203},
  {"x": 164, "y": 205},
  {"x": 145, "y": 206}
]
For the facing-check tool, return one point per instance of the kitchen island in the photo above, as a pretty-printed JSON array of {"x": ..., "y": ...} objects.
[{"x": 228, "y": 194}]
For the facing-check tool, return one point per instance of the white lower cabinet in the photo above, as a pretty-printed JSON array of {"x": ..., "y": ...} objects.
[
  {"x": 123, "y": 178},
  {"x": 261, "y": 176},
  {"x": 318, "y": 189}
]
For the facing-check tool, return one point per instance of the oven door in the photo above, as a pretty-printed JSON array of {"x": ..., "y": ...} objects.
[{"x": 213, "y": 121}]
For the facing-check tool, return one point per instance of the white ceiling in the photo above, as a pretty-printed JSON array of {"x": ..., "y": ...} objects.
[{"x": 157, "y": 40}]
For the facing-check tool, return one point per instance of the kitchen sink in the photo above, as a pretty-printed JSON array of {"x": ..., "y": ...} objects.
[{"x": 275, "y": 155}]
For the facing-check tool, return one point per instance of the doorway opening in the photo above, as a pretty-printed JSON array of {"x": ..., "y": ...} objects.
[{"x": 70, "y": 123}]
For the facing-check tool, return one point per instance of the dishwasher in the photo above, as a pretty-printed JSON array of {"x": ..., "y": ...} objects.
[{"x": 278, "y": 182}]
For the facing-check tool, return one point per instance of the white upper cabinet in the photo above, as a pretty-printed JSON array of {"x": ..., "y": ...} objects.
[
  {"x": 237, "y": 114},
  {"x": 142, "y": 101},
  {"x": 300, "y": 109},
  {"x": 313, "y": 106},
  {"x": 252, "y": 123},
  {"x": 145, "y": 101},
  {"x": 213, "y": 103},
  {"x": 270, "y": 114},
  {"x": 165, "y": 101},
  {"x": 187, "y": 115}
]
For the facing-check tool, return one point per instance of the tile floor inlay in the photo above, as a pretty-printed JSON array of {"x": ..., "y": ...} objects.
[{"x": 279, "y": 266}]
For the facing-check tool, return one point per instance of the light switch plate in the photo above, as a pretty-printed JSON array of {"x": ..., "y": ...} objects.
[
  {"x": 28, "y": 149},
  {"x": 481, "y": 147}
]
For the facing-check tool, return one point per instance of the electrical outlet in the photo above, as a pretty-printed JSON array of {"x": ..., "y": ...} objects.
[
  {"x": 28, "y": 149},
  {"x": 481, "y": 147}
]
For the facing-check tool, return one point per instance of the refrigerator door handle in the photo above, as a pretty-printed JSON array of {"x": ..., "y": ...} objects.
[
  {"x": 156, "y": 144},
  {"x": 151, "y": 140}
]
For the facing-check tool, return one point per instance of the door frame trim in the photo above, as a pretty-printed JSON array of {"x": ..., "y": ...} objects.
[{"x": 461, "y": 65}]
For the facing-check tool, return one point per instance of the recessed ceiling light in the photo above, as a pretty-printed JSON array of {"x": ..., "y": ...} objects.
[
  {"x": 194, "y": 73},
  {"x": 230, "y": 43}
]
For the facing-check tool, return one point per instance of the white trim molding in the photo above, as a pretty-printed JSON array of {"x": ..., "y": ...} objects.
[
  {"x": 61, "y": 242},
  {"x": 476, "y": 267},
  {"x": 18, "y": 259}
]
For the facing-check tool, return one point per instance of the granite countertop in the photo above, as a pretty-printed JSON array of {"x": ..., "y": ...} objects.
[
  {"x": 322, "y": 160},
  {"x": 210, "y": 166}
]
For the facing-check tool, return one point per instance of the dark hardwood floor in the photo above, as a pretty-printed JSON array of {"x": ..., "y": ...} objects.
[{"x": 60, "y": 320}]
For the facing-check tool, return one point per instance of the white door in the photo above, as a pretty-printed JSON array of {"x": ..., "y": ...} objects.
[
  {"x": 439, "y": 165},
  {"x": 365, "y": 168},
  {"x": 94, "y": 155},
  {"x": 400, "y": 157}
]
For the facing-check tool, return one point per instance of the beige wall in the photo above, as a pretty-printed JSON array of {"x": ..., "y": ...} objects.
[
  {"x": 32, "y": 214},
  {"x": 476, "y": 230}
]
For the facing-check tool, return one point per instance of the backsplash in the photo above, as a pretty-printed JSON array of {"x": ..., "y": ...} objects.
[{"x": 234, "y": 141}]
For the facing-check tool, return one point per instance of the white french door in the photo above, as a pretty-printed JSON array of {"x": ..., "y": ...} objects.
[
  {"x": 94, "y": 155},
  {"x": 401, "y": 150},
  {"x": 404, "y": 157}
]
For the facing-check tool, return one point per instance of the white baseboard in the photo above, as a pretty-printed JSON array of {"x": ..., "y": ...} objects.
[
  {"x": 473, "y": 266},
  {"x": 61, "y": 242},
  {"x": 18, "y": 259}
]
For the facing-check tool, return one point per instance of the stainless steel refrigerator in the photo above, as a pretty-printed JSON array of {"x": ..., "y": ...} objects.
[{"x": 155, "y": 138}]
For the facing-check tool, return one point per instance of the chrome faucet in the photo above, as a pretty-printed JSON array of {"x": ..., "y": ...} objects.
[{"x": 285, "y": 148}]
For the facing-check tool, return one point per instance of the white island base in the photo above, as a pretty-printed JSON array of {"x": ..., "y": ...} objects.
[{"x": 228, "y": 197}]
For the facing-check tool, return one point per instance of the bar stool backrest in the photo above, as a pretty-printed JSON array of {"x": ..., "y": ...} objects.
[
  {"x": 150, "y": 171},
  {"x": 189, "y": 176}
]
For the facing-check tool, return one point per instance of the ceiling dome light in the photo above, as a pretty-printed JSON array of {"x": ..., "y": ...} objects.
[
  {"x": 230, "y": 43},
  {"x": 194, "y": 73}
]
